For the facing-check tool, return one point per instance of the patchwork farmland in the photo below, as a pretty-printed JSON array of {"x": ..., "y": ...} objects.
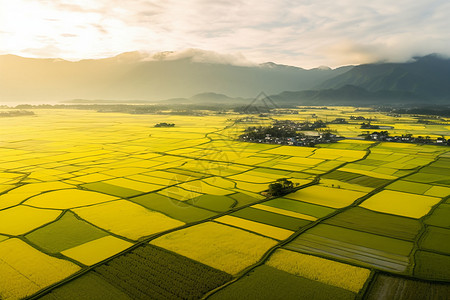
[{"x": 105, "y": 205}]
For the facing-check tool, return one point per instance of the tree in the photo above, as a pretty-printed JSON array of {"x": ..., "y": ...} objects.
[{"x": 281, "y": 187}]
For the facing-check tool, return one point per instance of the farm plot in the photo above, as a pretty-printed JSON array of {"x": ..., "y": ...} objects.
[
  {"x": 331, "y": 197},
  {"x": 323, "y": 270},
  {"x": 88, "y": 286},
  {"x": 266, "y": 282},
  {"x": 19, "y": 194},
  {"x": 22, "y": 219},
  {"x": 24, "y": 270},
  {"x": 152, "y": 272},
  {"x": 110, "y": 189},
  {"x": 68, "y": 198},
  {"x": 175, "y": 209},
  {"x": 356, "y": 178},
  {"x": 440, "y": 216},
  {"x": 432, "y": 266},
  {"x": 127, "y": 219},
  {"x": 390, "y": 287},
  {"x": 436, "y": 239},
  {"x": 356, "y": 247},
  {"x": 202, "y": 187},
  {"x": 97, "y": 250},
  {"x": 211, "y": 243},
  {"x": 307, "y": 211},
  {"x": 402, "y": 204},
  {"x": 361, "y": 219},
  {"x": 263, "y": 229},
  {"x": 409, "y": 187},
  {"x": 65, "y": 233},
  {"x": 270, "y": 218},
  {"x": 213, "y": 202}
]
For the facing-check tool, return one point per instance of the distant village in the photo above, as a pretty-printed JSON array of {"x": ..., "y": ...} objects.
[
  {"x": 287, "y": 132},
  {"x": 384, "y": 136},
  {"x": 291, "y": 133}
]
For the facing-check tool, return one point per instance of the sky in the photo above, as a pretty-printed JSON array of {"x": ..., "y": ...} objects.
[{"x": 305, "y": 33}]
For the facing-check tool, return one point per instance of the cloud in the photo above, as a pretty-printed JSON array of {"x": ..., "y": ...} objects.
[
  {"x": 303, "y": 33},
  {"x": 201, "y": 56}
]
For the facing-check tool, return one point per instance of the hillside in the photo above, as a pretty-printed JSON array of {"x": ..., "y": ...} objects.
[
  {"x": 425, "y": 77},
  {"x": 131, "y": 76}
]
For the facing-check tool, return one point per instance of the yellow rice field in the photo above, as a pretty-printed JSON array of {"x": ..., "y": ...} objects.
[
  {"x": 127, "y": 219},
  {"x": 24, "y": 270},
  {"x": 219, "y": 246},
  {"x": 326, "y": 196},
  {"x": 22, "y": 219},
  {"x": 284, "y": 212},
  {"x": 69, "y": 198},
  {"x": 97, "y": 250},
  {"x": 316, "y": 268},
  {"x": 399, "y": 203},
  {"x": 263, "y": 229}
]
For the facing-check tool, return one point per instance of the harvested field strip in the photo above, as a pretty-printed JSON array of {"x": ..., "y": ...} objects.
[
  {"x": 354, "y": 246},
  {"x": 155, "y": 273},
  {"x": 284, "y": 212},
  {"x": 390, "y": 287},
  {"x": 65, "y": 233},
  {"x": 266, "y": 282},
  {"x": 210, "y": 243},
  {"x": 175, "y": 209},
  {"x": 316, "y": 268},
  {"x": 316, "y": 211},
  {"x": 362, "y": 219},
  {"x": 270, "y": 218},
  {"x": 263, "y": 229}
]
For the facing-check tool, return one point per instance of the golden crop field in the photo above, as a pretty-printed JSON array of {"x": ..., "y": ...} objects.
[
  {"x": 78, "y": 187},
  {"x": 220, "y": 246},
  {"x": 327, "y": 271}
]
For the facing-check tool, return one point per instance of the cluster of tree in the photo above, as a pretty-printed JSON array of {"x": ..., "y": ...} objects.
[
  {"x": 300, "y": 125},
  {"x": 422, "y": 110},
  {"x": 261, "y": 132},
  {"x": 365, "y": 125},
  {"x": 280, "y": 187},
  {"x": 164, "y": 124},
  {"x": 16, "y": 113},
  {"x": 338, "y": 121}
]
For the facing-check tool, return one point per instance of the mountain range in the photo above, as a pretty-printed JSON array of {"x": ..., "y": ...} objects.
[{"x": 134, "y": 76}]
